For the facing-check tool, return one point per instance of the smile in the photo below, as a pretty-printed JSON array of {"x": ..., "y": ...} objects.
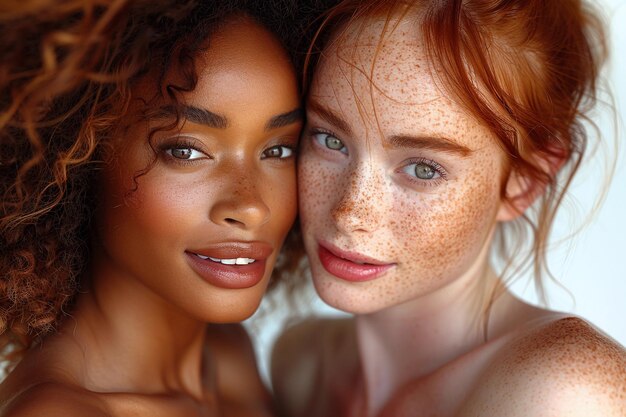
[
  {"x": 232, "y": 261},
  {"x": 231, "y": 265}
]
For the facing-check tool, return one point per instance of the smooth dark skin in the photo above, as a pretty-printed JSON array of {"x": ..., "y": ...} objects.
[{"x": 138, "y": 342}]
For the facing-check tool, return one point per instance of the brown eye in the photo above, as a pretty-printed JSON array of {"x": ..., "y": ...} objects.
[
  {"x": 182, "y": 153},
  {"x": 185, "y": 153},
  {"x": 280, "y": 151}
]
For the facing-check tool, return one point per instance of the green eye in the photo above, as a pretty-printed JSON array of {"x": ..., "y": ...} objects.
[
  {"x": 330, "y": 142},
  {"x": 333, "y": 143},
  {"x": 424, "y": 172}
]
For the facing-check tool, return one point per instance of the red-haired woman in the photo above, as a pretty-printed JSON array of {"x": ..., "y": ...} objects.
[{"x": 441, "y": 138}]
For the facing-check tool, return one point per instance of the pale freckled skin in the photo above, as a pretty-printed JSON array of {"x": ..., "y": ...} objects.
[
  {"x": 414, "y": 332},
  {"x": 434, "y": 216},
  {"x": 540, "y": 365},
  {"x": 452, "y": 219}
]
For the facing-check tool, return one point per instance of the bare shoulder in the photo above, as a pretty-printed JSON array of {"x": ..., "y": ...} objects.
[
  {"x": 300, "y": 360},
  {"x": 562, "y": 367},
  {"x": 53, "y": 400}
]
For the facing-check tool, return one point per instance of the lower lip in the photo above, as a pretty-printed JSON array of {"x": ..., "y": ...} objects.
[
  {"x": 228, "y": 276},
  {"x": 348, "y": 270}
]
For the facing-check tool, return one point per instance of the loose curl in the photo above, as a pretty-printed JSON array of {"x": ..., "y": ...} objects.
[
  {"x": 529, "y": 71},
  {"x": 66, "y": 72}
]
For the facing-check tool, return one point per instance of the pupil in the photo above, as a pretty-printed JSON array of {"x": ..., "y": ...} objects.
[
  {"x": 274, "y": 152},
  {"x": 333, "y": 143},
  {"x": 424, "y": 172},
  {"x": 181, "y": 153}
]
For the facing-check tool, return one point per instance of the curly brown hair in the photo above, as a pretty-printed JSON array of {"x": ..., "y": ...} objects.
[{"x": 66, "y": 72}]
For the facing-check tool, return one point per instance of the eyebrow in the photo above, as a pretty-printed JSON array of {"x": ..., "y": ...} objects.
[
  {"x": 434, "y": 143},
  {"x": 399, "y": 141},
  {"x": 329, "y": 116},
  {"x": 218, "y": 121},
  {"x": 193, "y": 114},
  {"x": 285, "y": 119}
]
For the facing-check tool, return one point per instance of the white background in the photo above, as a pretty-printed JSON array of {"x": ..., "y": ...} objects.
[{"x": 592, "y": 265}]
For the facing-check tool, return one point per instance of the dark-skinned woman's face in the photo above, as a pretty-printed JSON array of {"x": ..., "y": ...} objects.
[{"x": 204, "y": 225}]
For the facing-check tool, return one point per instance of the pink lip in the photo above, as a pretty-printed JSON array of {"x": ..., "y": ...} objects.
[
  {"x": 344, "y": 264},
  {"x": 231, "y": 276}
]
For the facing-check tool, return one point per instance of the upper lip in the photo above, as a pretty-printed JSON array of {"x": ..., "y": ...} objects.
[
  {"x": 230, "y": 250},
  {"x": 352, "y": 256}
]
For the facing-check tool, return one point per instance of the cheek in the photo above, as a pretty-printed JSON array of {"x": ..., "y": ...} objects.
[
  {"x": 317, "y": 183},
  {"x": 163, "y": 205},
  {"x": 155, "y": 205},
  {"x": 444, "y": 232},
  {"x": 282, "y": 198}
]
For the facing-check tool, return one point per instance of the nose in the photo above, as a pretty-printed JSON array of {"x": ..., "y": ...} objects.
[
  {"x": 240, "y": 205},
  {"x": 362, "y": 201}
]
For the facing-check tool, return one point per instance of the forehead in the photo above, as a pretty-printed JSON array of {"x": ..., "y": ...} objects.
[
  {"x": 244, "y": 58},
  {"x": 243, "y": 74},
  {"x": 379, "y": 71}
]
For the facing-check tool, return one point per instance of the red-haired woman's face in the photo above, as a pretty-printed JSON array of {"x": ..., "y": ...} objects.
[
  {"x": 202, "y": 230},
  {"x": 399, "y": 186}
]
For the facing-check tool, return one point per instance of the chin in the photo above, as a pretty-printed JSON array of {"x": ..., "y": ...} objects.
[
  {"x": 232, "y": 317},
  {"x": 348, "y": 298},
  {"x": 231, "y": 306},
  {"x": 232, "y": 314}
]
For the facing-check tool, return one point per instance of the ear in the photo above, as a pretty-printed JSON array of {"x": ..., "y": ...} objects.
[
  {"x": 522, "y": 190},
  {"x": 519, "y": 194}
]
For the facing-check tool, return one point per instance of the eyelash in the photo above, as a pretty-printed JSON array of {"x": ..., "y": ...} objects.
[
  {"x": 443, "y": 174},
  {"x": 181, "y": 143},
  {"x": 317, "y": 131},
  {"x": 289, "y": 146}
]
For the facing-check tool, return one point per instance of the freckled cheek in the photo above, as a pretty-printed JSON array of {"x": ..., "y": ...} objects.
[
  {"x": 441, "y": 232},
  {"x": 318, "y": 186}
]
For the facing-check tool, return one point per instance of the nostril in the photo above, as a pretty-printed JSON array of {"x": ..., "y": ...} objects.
[{"x": 240, "y": 213}]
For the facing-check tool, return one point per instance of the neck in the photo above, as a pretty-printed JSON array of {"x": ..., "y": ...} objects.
[
  {"x": 410, "y": 341},
  {"x": 131, "y": 340}
]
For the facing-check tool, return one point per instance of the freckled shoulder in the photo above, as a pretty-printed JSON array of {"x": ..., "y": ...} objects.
[
  {"x": 561, "y": 368},
  {"x": 54, "y": 400},
  {"x": 303, "y": 358}
]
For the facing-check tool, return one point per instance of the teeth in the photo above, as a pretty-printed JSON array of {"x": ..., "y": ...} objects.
[
  {"x": 233, "y": 261},
  {"x": 244, "y": 261}
]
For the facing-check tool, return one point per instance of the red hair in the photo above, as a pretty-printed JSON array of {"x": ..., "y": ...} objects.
[{"x": 528, "y": 70}]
